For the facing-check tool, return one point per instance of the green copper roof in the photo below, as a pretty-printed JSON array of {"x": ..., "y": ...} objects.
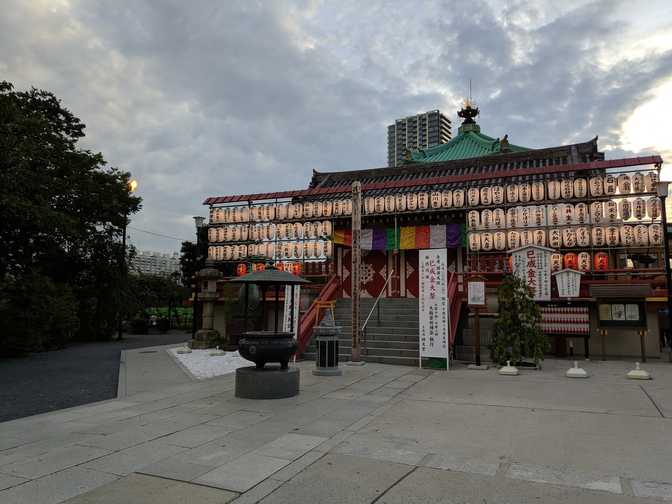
[{"x": 469, "y": 143}]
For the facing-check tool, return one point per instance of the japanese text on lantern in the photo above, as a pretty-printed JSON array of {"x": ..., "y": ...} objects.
[{"x": 433, "y": 303}]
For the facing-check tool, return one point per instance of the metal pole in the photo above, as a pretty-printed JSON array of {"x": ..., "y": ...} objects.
[
  {"x": 477, "y": 336},
  {"x": 120, "y": 328},
  {"x": 355, "y": 270},
  {"x": 277, "y": 306},
  {"x": 668, "y": 276}
]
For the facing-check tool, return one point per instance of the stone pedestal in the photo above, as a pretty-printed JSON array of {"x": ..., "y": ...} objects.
[
  {"x": 267, "y": 383},
  {"x": 208, "y": 336}
]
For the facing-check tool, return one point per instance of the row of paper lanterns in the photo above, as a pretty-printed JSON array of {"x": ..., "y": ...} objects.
[
  {"x": 577, "y": 261},
  {"x": 281, "y": 211},
  {"x": 263, "y": 232},
  {"x": 611, "y": 236},
  {"x": 317, "y": 249},
  {"x": 597, "y": 212}
]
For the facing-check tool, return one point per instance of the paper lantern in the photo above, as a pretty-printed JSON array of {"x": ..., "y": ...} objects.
[
  {"x": 656, "y": 234},
  {"x": 474, "y": 242},
  {"x": 569, "y": 237},
  {"x": 242, "y": 251},
  {"x": 627, "y": 235},
  {"x": 347, "y": 207},
  {"x": 297, "y": 231},
  {"x": 328, "y": 249},
  {"x": 317, "y": 229},
  {"x": 309, "y": 250},
  {"x": 255, "y": 213},
  {"x": 611, "y": 236},
  {"x": 298, "y": 211},
  {"x": 571, "y": 261},
  {"x": 389, "y": 203},
  {"x": 554, "y": 215},
  {"x": 319, "y": 249},
  {"x": 537, "y": 191},
  {"x": 473, "y": 196},
  {"x": 270, "y": 250},
  {"x": 252, "y": 249},
  {"x": 400, "y": 202},
  {"x": 308, "y": 230},
  {"x": 254, "y": 233},
  {"x": 369, "y": 205},
  {"x": 497, "y": 195},
  {"x": 486, "y": 195},
  {"x": 498, "y": 218},
  {"x": 285, "y": 250},
  {"x": 512, "y": 217},
  {"x": 555, "y": 238},
  {"x": 580, "y": 188},
  {"x": 327, "y": 229},
  {"x": 213, "y": 215},
  {"x": 412, "y": 201},
  {"x": 584, "y": 261},
  {"x": 601, "y": 261},
  {"x": 226, "y": 252},
  {"x": 650, "y": 181},
  {"x": 318, "y": 209},
  {"x": 446, "y": 199},
  {"x": 282, "y": 211},
  {"x": 499, "y": 239},
  {"x": 582, "y": 237},
  {"x": 611, "y": 211},
  {"x": 638, "y": 183},
  {"x": 244, "y": 232},
  {"x": 581, "y": 213},
  {"x": 270, "y": 231},
  {"x": 423, "y": 200},
  {"x": 473, "y": 219},
  {"x": 379, "y": 204},
  {"x": 610, "y": 185},
  {"x": 526, "y": 238},
  {"x": 639, "y": 208},
  {"x": 241, "y": 269},
  {"x": 540, "y": 237},
  {"x": 596, "y": 186},
  {"x": 568, "y": 213},
  {"x": 458, "y": 198},
  {"x": 653, "y": 208},
  {"x": 556, "y": 262},
  {"x": 296, "y": 268},
  {"x": 486, "y": 241},
  {"x": 538, "y": 215},
  {"x": 235, "y": 233},
  {"x": 235, "y": 253},
  {"x": 212, "y": 234},
  {"x": 212, "y": 253},
  {"x": 624, "y": 183},
  {"x": 512, "y": 195},
  {"x": 435, "y": 199},
  {"x": 625, "y": 209},
  {"x": 641, "y": 235},
  {"x": 596, "y": 212},
  {"x": 235, "y": 214},
  {"x": 597, "y": 235},
  {"x": 245, "y": 214},
  {"x": 486, "y": 219},
  {"x": 567, "y": 188},
  {"x": 524, "y": 192},
  {"x": 524, "y": 216},
  {"x": 297, "y": 250},
  {"x": 513, "y": 239},
  {"x": 338, "y": 208},
  {"x": 553, "y": 189}
]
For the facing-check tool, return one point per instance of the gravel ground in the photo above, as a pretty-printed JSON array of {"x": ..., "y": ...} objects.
[{"x": 80, "y": 374}]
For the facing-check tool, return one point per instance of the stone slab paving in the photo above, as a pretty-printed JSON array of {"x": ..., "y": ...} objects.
[{"x": 378, "y": 433}]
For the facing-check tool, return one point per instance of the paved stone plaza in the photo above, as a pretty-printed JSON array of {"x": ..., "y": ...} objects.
[{"x": 379, "y": 433}]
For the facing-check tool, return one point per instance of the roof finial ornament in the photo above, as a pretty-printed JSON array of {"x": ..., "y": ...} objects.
[{"x": 469, "y": 109}]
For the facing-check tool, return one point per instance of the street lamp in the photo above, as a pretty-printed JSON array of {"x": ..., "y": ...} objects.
[
  {"x": 131, "y": 186},
  {"x": 200, "y": 223},
  {"x": 662, "y": 189}
]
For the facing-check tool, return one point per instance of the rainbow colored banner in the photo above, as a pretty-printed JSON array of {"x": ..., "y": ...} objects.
[{"x": 408, "y": 237}]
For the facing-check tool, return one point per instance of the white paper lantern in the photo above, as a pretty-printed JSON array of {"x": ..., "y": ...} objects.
[
  {"x": 540, "y": 237},
  {"x": 389, "y": 203},
  {"x": 512, "y": 195},
  {"x": 473, "y": 219},
  {"x": 582, "y": 237},
  {"x": 297, "y": 231},
  {"x": 473, "y": 196},
  {"x": 554, "y": 215},
  {"x": 539, "y": 216},
  {"x": 369, "y": 205},
  {"x": 499, "y": 240},
  {"x": 400, "y": 202},
  {"x": 625, "y": 209},
  {"x": 656, "y": 234},
  {"x": 282, "y": 231},
  {"x": 554, "y": 192},
  {"x": 317, "y": 229},
  {"x": 641, "y": 235},
  {"x": 298, "y": 211},
  {"x": 347, "y": 207},
  {"x": 556, "y": 262},
  {"x": 612, "y": 236},
  {"x": 624, "y": 184},
  {"x": 513, "y": 239},
  {"x": 327, "y": 208},
  {"x": 580, "y": 188},
  {"x": 446, "y": 199},
  {"x": 638, "y": 183},
  {"x": 512, "y": 217},
  {"x": 227, "y": 252},
  {"x": 270, "y": 231},
  {"x": 486, "y": 195},
  {"x": 610, "y": 185},
  {"x": 568, "y": 214},
  {"x": 252, "y": 250},
  {"x": 379, "y": 204},
  {"x": 235, "y": 214},
  {"x": 567, "y": 188},
  {"x": 569, "y": 237},
  {"x": 555, "y": 238},
  {"x": 598, "y": 236},
  {"x": 319, "y": 249},
  {"x": 581, "y": 213},
  {"x": 653, "y": 208},
  {"x": 254, "y": 233},
  {"x": 235, "y": 253},
  {"x": 423, "y": 200},
  {"x": 327, "y": 229},
  {"x": 255, "y": 213},
  {"x": 308, "y": 230},
  {"x": 212, "y": 253},
  {"x": 328, "y": 249},
  {"x": 235, "y": 233},
  {"x": 412, "y": 201},
  {"x": 486, "y": 241},
  {"x": 497, "y": 195},
  {"x": 627, "y": 235},
  {"x": 286, "y": 250},
  {"x": 435, "y": 199},
  {"x": 486, "y": 219},
  {"x": 458, "y": 198},
  {"x": 244, "y": 232},
  {"x": 212, "y": 235},
  {"x": 524, "y": 216},
  {"x": 498, "y": 218},
  {"x": 597, "y": 212},
  {"x": 297, "y": 250},
  {"x": 474, "y": 242},
  {"x": 584, "y": 261},
  {"x": 318, "y": 209},
  {"x": 338, "y": 208},
  {"x": 537, "y": 191},
  {"x": 611, "y": 211},
  {"x": 596, "y": 186},
  {"x": 270, "y": 250},
  {"x": 639, "y": 208},
  {"x": 526, "y": 238},
  {"x": 282, "y": 211},
  {"x": 524, "y": 192},
  {"x": 650, "y": 181}
]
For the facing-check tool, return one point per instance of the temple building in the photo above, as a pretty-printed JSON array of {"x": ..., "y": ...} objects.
[{"x": 478, "y": 200}]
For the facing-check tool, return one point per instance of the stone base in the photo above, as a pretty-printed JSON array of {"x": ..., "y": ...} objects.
[
  {"x": 334, "y": 371},
  {"x": 480, "y": 367},
  {"x": 355, "y": 363},
  {"x": 207, "y": 338},
  {"x": 267, "y": 383}
]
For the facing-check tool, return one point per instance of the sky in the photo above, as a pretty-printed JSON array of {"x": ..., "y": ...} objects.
[{"x": 209, "y": 98}]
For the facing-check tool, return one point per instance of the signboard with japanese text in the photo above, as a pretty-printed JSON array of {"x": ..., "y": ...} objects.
[
  {"x": 476, "y": 293},
  {"x": 433, "y": 303},
  {"x": 568, "y": 282},
  {"x": 532, "y": 264},
  {"x": 286, "y": 323}
]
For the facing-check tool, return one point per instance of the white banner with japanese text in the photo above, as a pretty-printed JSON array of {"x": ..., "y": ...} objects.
[
  {"x": 532, "y": 264},
  {"x": 286, "y": 323},
  {"x": 433, "y": 303}
]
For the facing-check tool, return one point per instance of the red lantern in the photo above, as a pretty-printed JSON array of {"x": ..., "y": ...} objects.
[
  {"x": 296, "y": 268},
  {"x": 241, "y": 269},
  {"x": 601, "y": 261},
  {"x": 571, "y": 261}
]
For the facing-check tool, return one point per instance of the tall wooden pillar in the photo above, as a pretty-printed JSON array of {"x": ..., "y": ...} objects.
[{"x": 355, "y": 269}]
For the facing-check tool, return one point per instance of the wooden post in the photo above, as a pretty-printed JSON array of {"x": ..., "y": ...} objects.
[
  {"x": 355, "y": 269},
  {"x": 603, "y": 337},
  {"x": 477, "y": 336}
]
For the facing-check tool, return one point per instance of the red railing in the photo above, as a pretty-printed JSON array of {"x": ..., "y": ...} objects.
[
  {"x": 309, "y": 319},
  {"x": 454, "y": 304}
]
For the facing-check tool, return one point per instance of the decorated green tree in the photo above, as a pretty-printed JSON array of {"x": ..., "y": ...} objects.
[{"x": 517, "y": 333}]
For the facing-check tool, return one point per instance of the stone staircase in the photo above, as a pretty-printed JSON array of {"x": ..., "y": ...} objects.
[{"x": 391, "y": 335}]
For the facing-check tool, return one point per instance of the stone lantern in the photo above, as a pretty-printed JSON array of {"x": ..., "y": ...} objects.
[{"x": 208, "y": 336}]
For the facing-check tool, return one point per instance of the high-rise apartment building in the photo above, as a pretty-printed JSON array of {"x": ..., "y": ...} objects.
[
  {"x": 416, "y": 132},
  {"x": 155, "y": 263}
]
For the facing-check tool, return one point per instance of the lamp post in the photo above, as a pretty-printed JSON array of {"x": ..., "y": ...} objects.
[
  {"x": 131, "y": 186},
  {"x": 200, "y": 222},
  {"x": 661, "y": 189}
]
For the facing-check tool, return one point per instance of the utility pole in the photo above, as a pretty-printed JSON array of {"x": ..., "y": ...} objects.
[{"x": 355, "y": 269}]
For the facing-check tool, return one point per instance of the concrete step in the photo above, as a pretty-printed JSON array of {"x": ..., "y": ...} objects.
[
  {"x": 383, "y": 359},
  {"x": 386, "y": 327}
]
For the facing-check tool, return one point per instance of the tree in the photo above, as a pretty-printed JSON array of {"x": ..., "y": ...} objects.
[
  {"x": 517, "y": 333},
  {"x": 63, "y": 211}
]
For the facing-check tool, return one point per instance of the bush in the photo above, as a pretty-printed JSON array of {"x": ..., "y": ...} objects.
[
  {"x": 139, "y": 325},
  {"x": 163, "y": 325}
]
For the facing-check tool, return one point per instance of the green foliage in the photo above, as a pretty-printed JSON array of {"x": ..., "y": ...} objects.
[
  {"x": 192, "y": 257},
  {"x": 517, "y": 333},
  {"x": 139, "y": 325},
  {"x": 63, "y": 211}
]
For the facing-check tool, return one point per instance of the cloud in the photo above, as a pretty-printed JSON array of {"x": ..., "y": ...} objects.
[{"x": 208, "y": 98}]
